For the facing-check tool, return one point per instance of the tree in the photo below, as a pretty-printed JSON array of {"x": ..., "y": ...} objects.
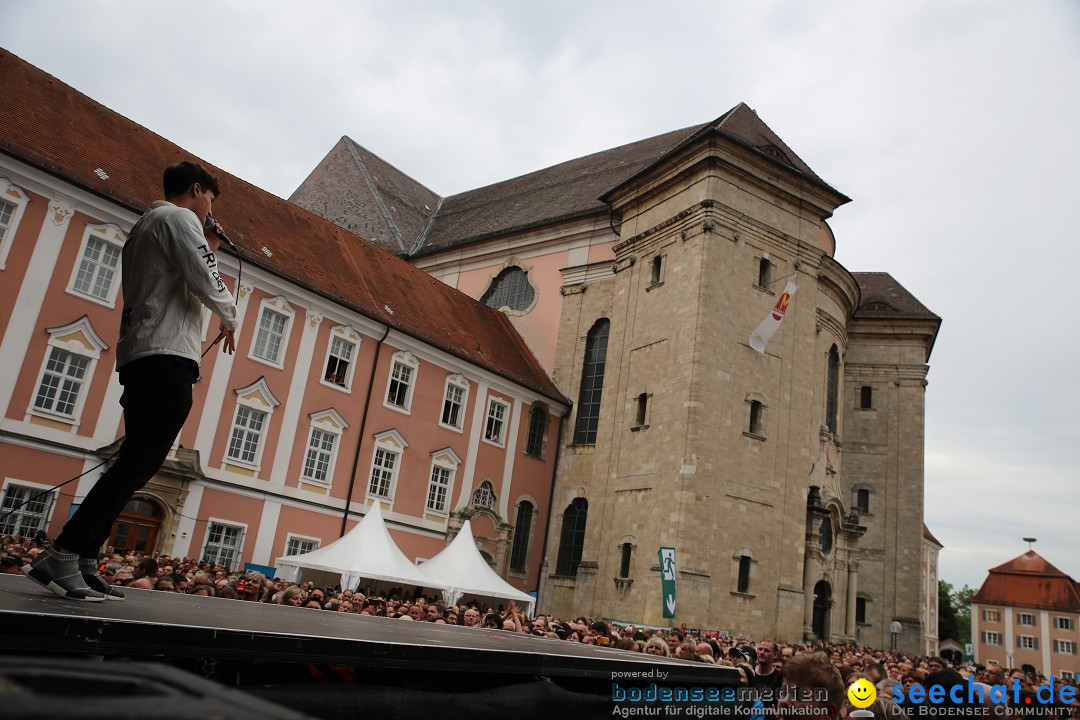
[{"x": 954, "y": 612}]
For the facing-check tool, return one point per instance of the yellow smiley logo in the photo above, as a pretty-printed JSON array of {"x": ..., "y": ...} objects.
[{"x": 862, "y": 693}]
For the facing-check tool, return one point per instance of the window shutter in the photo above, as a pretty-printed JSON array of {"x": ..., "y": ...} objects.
[{"x": 1035, "y": 640}]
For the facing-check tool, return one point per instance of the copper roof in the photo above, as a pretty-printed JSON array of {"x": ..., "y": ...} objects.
[
  {"x": 1029, "y": 581},
  {"x": 48, "y": 124}
]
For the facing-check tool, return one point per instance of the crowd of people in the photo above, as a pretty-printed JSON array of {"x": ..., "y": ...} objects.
[{"x": 762, "y": 665}]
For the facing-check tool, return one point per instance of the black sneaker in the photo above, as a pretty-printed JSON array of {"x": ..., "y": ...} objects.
[
  {"x": 59, "y": 573},
  {"x": 95, "y": 582}
]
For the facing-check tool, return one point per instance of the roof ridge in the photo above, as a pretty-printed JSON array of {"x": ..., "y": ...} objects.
[{"x": 383, "y": 210}]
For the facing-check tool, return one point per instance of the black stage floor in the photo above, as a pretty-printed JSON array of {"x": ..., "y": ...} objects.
[{"x": 321, "y": 662}]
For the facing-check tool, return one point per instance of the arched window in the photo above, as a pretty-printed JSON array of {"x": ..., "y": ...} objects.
[
  {"x": 833, "y": 390},
  {"x": 592, "y": 383},
  {"x": 522, "y": 528},
  {"x": 511, "y": 289},
  {"x": 572, "y": 540},
  {"x": 825, "y": 536}
]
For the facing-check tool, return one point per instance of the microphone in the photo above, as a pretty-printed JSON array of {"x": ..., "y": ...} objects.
[{"x": 211, "y": 225}]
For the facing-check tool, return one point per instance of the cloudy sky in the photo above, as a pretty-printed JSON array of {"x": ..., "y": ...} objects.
[{"x": 951, "y": 123}]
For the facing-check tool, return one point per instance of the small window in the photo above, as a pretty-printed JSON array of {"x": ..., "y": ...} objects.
[
  {"x": 1065, "y": 647},
  {"x": 862, "y": 501},
  {"x": 1025, "y": 619},
  {"x": 223, "y": 545},
  {"x": 764, "y": 278},
  {"x": 438, "y": 488},
  {"x": 1027, "y": 642},
  {"x": 991, "y": 638},
  {"x": 825, "y": 536},
  {"x": 992, "y": 615},
  {"x": 510, "y": 289},
  {"x": 626, "y": 551},
  {"x": 399, "y": 388},
  {"x": 453, "y": 410},
  {"x": 320, "y": 456},
  {"x": 382, "y": 473},
  {"x": 11, "y": 212},
  {"x": 25, "y": 509},
  {"x": 641, "y": 417},
  {"x": 1064, "y": 623},
  {"x": 339, "y": 361},
  {"x": 297, "y": 545},
  {"x": 866, "y": 398},
  {"x": 657, "y": 267},
  {"x": 860, "y": 610},
  {"x": 744, "y": 574},
  {"x": 519, "y": 552},
  {"x": 96, "y": 276},
  {"x": 270, "y": 336},
  {"x": 495, "y": 428},
  {"x": 61, "y": 382},
  {"x": 246, "y": 435},
  {"x": 538, "y": 422},
  {"x": 757, "y": 418},
  {"x": 484, "y": 496}
]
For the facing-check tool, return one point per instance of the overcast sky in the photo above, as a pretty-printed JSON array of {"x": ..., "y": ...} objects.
[{"x": 951, "y": 124}]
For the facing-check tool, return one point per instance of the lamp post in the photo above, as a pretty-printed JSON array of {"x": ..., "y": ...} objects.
[{"x": 895, "y": 627}]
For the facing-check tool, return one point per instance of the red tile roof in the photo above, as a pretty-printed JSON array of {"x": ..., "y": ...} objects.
[
  {"x": 48, "y": 124},
  {"x": 930, "y": 536},
  {"x": 1029, "y": 581}
]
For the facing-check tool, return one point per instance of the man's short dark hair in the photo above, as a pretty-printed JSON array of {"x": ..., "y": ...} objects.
[{"x": 178, "y": 178}]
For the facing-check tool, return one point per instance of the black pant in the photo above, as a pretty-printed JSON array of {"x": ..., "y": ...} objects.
[{"x": 156, "y": 402}]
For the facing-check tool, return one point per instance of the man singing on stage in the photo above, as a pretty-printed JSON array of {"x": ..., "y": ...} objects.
[{"x": 169, "y": 271}]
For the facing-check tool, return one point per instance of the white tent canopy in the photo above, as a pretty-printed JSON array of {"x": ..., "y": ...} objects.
[
  {"x": 462, "y": 570},
  {"x": 365, "y": 552}
]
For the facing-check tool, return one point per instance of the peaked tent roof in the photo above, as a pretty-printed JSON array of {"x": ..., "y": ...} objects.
[
  {"x": 367, "y": 551},
  {"x": 463, "y": 571},
  {"x": 1029, "y": 581},
  {"x": 51, "y": 126}
]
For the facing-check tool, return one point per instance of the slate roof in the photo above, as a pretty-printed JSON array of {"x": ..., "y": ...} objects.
[
  {"x": 883, "y": 296},
  {"x": 1029, "y": 581},
  {"x": 49, "y": 125},
  {"x": 340, "y": 188}
]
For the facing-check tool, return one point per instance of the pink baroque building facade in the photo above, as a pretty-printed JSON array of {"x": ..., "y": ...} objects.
[{"x": 357, "y": 378}]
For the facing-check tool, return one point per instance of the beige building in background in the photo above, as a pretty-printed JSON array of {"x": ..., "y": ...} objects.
[
  {"x": 790, "y": 482},
  {"x": 1027, "y": 612}
]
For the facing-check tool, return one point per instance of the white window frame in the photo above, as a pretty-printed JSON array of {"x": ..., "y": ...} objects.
[
  {"x": 989, "y": 637},
  {"x": 77, "y": 338},
  {"x": 255, "y": 397},
  {"x": 406, "y": 360},
  {"x": 458, "y": 382},
  {"x": 289, "y": 538},
  {"x": 993, "y": 616},
  {"x": 110, "y": 236},
  {"x": 1027, "y": 642},
  {"x": 389, "y": 442},
  {"x": 331, "y": 423},
  {"x": 493, "y": 404},
  {"x": 346, "y": 334},
  {"x": 280, "y": 306},
  {"x": 1065, "y": 647},
  {"x": 442, "y": 460},
  {"x": 16, "y": 196},
  {"x": 232, "y": 524},
  {"x": 1064, "y": 623},
  {"x": 1022, "y": 617},
  {"x": 45, "y": 518}
]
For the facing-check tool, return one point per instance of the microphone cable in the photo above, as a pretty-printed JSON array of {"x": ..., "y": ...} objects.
[{"x": 236, "y": 299}]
